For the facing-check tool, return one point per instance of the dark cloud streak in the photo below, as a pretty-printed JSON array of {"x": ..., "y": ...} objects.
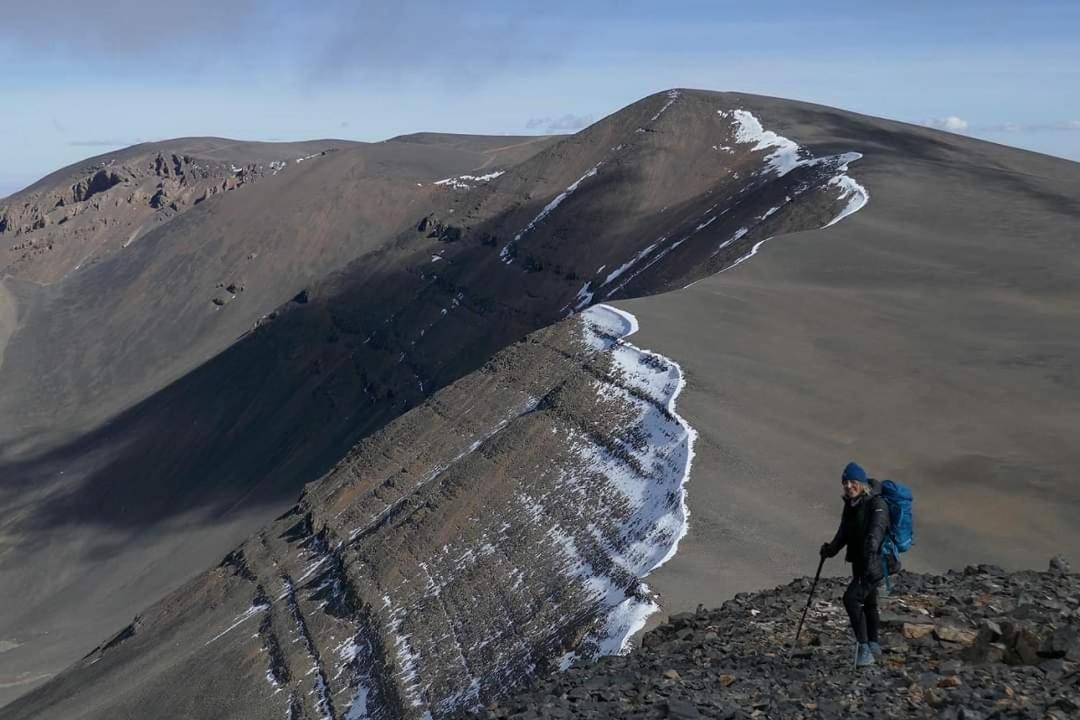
[
  {"x": 111, "y": 29},
  {"x": 322, "y": 43},
  {"x": 384, "y": 43}
]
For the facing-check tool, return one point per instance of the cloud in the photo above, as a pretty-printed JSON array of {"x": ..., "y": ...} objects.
[
  {"x": 565, "y": 123},
  {"x": 1000, "y": 127},
  {"x": 951, "y": 123},
  {"x": 1011, "y": 127}
]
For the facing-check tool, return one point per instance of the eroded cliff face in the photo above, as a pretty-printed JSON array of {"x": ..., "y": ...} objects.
[{"x": 49, "y": 232}]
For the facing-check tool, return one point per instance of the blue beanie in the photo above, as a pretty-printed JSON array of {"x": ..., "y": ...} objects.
[{"x": 854, "y": 472}]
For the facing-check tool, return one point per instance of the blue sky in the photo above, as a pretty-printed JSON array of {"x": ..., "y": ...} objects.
[{"x": 84, "y": 78}]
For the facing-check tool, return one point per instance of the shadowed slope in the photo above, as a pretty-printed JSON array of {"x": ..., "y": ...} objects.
[{"x": 144, "y": 314}]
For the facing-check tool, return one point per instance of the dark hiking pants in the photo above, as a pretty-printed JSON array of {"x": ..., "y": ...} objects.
[{"x": 860, "y": 601}]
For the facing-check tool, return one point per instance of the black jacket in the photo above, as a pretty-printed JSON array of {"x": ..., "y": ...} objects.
[{"x": 863, "y": 527}]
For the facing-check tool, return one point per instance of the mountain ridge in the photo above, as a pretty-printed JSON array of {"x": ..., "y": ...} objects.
[{"x": 342, "y": 347}]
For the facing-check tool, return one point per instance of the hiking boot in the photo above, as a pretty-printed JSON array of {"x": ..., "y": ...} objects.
[
  {"x": 864, "y": 658},
  {"x": 875, "y": 649}
]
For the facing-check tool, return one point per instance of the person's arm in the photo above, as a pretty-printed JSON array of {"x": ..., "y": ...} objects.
[
  {"x": 838, "y": 542},
  {"x": 875, "y": 535}
]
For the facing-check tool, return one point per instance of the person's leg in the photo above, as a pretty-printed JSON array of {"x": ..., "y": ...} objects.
[
  {"x": 873, "y": 620},
  {"x": 873, "y": 617},
  {"x": 853, "y": 603}
]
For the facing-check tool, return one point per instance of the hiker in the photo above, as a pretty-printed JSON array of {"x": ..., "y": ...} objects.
[{"x": 863, "y": 526}]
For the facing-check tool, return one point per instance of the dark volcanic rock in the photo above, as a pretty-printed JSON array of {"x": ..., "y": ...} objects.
[{"x": 737, "y": 661}]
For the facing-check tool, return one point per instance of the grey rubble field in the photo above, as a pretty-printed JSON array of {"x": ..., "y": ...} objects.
[
  {"x": 149, "y": 429},
  {"x": 980, "y": 643}
]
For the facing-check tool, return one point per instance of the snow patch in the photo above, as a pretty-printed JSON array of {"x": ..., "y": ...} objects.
[
  {"x": 647, "y": 469},
  {"x": 738, "y": 235},
  {"x": 358, "y": 709},
  {"x": 748, "y": 129},
  {"x": 131, "y": 237},
  {"x": 606, "y": 328},
  {"x": 505, "y": 253},
  {"x": 672, "y": 95},
  {"x": 584, "y": 296},
  {"x": 786, "y": 156},
  {"x": 240, "y": 619},
  {"x": 468, "y": 182},
  {"x": 856, "y": 195},
  {"x": 407, "y": 658},
  {"x": 847, "y": 188},
  {"x": 614, "y": 274}
]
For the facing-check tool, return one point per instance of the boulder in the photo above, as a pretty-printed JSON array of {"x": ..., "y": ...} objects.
[
  {"x": 913, "y": 631},
  {"x": 948, "y": 633},
  {"x": 1022, "y": 647},
  {"x": 992, "y": 629},
  {"x": 682, "y": 709},
  {"x": 986, "y": 648}
]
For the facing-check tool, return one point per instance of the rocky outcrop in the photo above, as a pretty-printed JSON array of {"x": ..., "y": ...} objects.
[
  {"x": 432, "y": 227},
  {"x": 105, "y": 206},
  {"x": 99, "y": 182},
  {"x": 979, "y": 643}
]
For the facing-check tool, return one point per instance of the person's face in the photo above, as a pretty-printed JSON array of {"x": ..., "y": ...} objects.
[{"x": 851, "y": 488}]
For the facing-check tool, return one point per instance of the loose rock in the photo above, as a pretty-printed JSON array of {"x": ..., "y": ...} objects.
[{"x": 983, "y": 662}]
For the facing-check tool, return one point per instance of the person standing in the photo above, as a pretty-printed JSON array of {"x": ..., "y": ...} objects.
[{"x": 863, "y": 527}]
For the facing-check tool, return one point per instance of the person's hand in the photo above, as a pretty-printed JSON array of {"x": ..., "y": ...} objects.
[{"x": 824, "y": 552}]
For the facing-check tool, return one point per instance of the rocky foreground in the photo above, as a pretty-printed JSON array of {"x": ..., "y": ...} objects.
[{"x": 980, "y": 643}]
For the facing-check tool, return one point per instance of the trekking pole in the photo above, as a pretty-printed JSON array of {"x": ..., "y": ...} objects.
[{"x": 808, "y": 601}]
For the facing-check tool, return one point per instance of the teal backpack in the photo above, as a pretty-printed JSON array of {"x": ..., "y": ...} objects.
[{"x": 901, "y": 525}]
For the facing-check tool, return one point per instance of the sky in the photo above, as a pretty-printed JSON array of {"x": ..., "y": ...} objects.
[{"x": 81, "y": 79}]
